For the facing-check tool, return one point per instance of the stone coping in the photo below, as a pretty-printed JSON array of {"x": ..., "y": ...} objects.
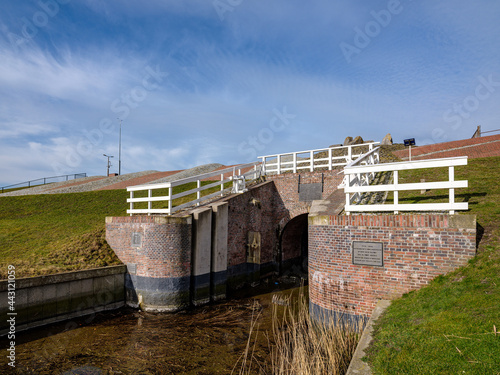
[
  {"x": 29, "y": 282},
  {"x": 357, "y": 365}
]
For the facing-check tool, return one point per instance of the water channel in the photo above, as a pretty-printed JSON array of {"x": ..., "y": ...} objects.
[{"x": 205, "y": 340}]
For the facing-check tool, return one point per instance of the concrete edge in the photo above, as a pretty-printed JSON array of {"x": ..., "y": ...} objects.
[
  {"x": 357, "y": 366},
  {"x": 30, "y": 282}
]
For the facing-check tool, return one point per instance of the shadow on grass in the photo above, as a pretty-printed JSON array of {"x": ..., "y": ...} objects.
[
  {"x": 479, "y": 234},
  {"x": 437, "y": 198}
]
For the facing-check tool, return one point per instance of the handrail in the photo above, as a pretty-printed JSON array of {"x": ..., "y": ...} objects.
[
  {"x": 355, "y": 183},
  {"x": 44, "y": 179},
  {"x": 293, "y": 161},
  {"x": 237, "y": 177},
  {"x": 371, "y": 157}
]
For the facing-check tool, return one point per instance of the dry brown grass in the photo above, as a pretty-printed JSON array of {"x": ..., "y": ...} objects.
[{"x": 302, "y": 345}]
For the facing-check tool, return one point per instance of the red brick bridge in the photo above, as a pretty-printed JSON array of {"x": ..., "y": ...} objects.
[{"x": 291, "y": 218}]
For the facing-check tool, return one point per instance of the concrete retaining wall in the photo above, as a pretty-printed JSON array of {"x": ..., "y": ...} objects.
[{"x": 47, "y": 299}]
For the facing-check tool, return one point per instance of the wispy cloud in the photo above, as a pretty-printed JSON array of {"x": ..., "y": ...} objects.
[{"x": 226, "y": 77}]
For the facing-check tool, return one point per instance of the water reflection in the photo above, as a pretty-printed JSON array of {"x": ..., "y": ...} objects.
[{"x": 207, "y": 340}]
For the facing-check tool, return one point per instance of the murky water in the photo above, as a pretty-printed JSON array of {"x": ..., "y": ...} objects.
[{"x": 207, "y": 340}]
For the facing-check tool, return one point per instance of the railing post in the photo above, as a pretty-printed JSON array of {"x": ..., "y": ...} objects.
[
  {"x": 396, "y": 192},
  {"x": 349, "y": 154},
  {"x": 330, "y": 159},
  {"x": 278, "y": 162},
  {"x": 451, "y": 173},
  {"x": 198, "y": 193},
  {"x": 150, "y": 194},
  {"x": 170, "y": 200},
  {"x": 311, "y": 155},
  {"x": 222, "y": 184},
  {"x": 294, "y": 162},
  {"x": 131, "y": 203},
  {"x": 347, "y": 178}
]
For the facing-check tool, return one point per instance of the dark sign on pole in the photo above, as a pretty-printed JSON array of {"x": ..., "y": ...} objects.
[{"x": 409, "y": 142}]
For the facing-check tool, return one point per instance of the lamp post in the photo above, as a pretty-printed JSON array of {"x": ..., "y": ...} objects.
[
  {"x": 409, "y": 142},
  {"x": 109, "y": 163},
  {"x": 120, "y": 149}
]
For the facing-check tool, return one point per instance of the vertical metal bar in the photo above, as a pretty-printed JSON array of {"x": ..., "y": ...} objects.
[
  {"x": 322, "y": 181},
  {"x": 451, "y": 173},
  {"x": 396, "y": 192}
]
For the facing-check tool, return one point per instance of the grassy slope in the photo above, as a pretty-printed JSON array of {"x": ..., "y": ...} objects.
[
  {"x": 51, "y": 233},
  {"x": 448, "y": 326},
  {"x": 42, "y": 234}
]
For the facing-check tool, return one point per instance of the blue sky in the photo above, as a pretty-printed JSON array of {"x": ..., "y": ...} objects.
[{"x": 224, "y": 81}]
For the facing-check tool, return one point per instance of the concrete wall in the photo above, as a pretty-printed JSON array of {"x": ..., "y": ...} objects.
[
  {"x": 48, "y": 299},
  {"x": 416, "y": 249}
]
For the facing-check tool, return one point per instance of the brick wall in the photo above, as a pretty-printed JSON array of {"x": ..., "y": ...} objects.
[
  {"x": 157, "y": 252},
  {"x": 287, "y": 187},
  {"x": 416, "y": 249},
  {"x": 473, "y": 148},
  {"x": 165, "y": 249},
  {"x": 267, "y": 209}
]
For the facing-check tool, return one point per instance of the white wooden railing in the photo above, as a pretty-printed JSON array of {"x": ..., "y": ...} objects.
[
  {"x": 355, "y": 184},
  {"x": 310, "y": 160},
  {"x": 372, "y": 157},
  {"x": 235, "y": 176}
]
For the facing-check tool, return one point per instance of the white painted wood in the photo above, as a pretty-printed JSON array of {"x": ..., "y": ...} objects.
[
  {"x": 417, "y": 164},
  {"x": 169, "y": 198},
  {"x": 305, "y": 159},
  {"x": 408, "y": 207},
  {"x": 408, "y": 186},
  {"x": 358, "y": 184}
]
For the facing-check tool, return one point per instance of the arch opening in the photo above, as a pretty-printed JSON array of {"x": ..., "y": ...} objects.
[{"x": 294, "y": 245}]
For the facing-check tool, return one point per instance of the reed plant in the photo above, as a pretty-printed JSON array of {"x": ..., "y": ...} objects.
[{"x": 300, "y": 344}]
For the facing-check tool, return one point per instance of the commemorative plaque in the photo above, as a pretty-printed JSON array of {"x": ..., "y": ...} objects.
[{"x": 368, "y": 253}]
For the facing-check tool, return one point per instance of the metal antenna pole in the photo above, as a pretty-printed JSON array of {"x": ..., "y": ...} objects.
[
  {"x": 120, "y": 150},
  {"x": 109, "y": 163}
]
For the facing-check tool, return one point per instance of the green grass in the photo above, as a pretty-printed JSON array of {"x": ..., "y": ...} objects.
[
  {"x": 52, "y": 233},
  {"x": 448, "y": 326}
]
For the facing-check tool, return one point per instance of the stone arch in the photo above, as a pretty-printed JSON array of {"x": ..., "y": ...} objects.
[{"x": 293, "y": 243}]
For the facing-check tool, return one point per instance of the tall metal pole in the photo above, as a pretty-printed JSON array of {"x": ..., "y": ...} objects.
[
  {"x": 109, "y": 163},
  {"x": 120, "y": 150}
]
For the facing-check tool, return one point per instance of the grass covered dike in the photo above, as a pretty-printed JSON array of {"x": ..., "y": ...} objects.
[
  {"x": 52, "y": 233},
  {"x": 452, "y": 326}
]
